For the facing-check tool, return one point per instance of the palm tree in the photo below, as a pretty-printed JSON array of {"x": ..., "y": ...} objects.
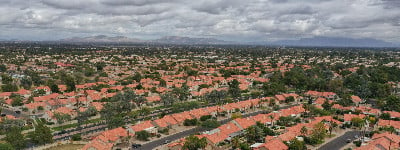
[
  {"x": 272, "y": 117},
  {"x": 304, "y": 130}
]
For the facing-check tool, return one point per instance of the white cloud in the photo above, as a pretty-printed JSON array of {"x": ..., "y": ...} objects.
[{"x": 226, "y": 19}]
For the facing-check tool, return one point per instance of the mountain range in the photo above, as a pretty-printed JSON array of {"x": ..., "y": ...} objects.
[{"x": 178, "y": 40}]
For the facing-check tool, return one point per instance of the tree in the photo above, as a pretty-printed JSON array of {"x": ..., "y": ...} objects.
[
  {"x": 254, "y": 134},
  {"x": 210, "y": 124},
  {"x": 17, "y": 101},
  {"x": 76, "y": 137},
  {"x": 357, "y": 122},
  {"x": 15, "y": 138},
  {"x": 215, "y": 96},
  {"x": 392, "y": 103},
  {"x": 194, "y": 143},
  {"x": 297, "y": 145},
  {"x": 61, "y": 117},
  {"x": 70, "y": 83},
  {"x": 168, "y": 99},
  {"x": 9, "y": 88},
  {"x": 234, "y": 89},
  {"x": 54, "y": 88},
  {"x": 289, "y": 99},
  {"x": 304, "y": 130},
  {"x": 190, "y": 122},
  {"x": 42, "y": 134},
  {"x": 326, "y": 105},
  {"x": 143, "y": 135},
  {"x": 318, "y": 132},
  {"x": 6, "y": 146},
  {"x": 385, "y": 116},
  {"x": 3, "y": 68},
  {"x": 119, "y": 106},
  {"x": 332, "y": 126}
]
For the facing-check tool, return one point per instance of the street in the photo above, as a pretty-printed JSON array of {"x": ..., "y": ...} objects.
[
  {"x": 158, "y": 142},
  {"x": 339, "y": 142}
]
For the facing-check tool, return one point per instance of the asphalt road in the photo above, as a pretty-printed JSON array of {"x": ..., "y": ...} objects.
[
  {"x": 158, "y": 142},
  {"x": 9, "y": 111},
  {"x": 339, "y": 142}
]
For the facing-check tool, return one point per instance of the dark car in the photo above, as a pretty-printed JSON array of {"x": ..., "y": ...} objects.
[
  {"x": 18, "y": 112},
  {"x": 3, "y": 115},
  {"x": 166, "y": 141},
  {"x": 136, "y": 145},
  {"x": 348, "y": 140}
]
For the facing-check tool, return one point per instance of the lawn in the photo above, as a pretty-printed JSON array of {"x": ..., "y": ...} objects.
[{"x": 67, "y": 147}]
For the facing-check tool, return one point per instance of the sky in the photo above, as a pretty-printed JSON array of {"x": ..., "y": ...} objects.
[{"x": 233, "y": 20}]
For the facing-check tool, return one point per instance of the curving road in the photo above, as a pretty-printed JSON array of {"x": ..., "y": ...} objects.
[{"x": 340, "y": 141}]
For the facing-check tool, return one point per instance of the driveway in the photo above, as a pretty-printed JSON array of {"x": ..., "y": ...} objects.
[{"x": 340, "y": 141}]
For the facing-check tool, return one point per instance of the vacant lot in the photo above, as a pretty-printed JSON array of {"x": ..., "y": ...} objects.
[{"x": 67, "y": 147}]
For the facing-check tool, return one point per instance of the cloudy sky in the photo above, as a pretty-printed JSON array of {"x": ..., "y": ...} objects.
[{"x": 236, "y": 20}]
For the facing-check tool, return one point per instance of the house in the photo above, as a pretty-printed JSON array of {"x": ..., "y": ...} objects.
[
  {"x": 244, "y": 123},
  {"x": 166, "y": 122},
  {"x": 274, "y": 144},
  {"x": 107, "y": 139},
  {"x": 382, "y": 141},
  {"x": 356, "y": 100},
  {"x": 347, "y": 117},
  {"x": 222, "y": 133},
  {"x": 145, "y": 126}
]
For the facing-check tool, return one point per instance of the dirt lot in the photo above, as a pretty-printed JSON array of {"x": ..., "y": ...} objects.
[{"x": 67, "y": 147}]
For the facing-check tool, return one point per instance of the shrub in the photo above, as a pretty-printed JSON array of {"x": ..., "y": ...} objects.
[
  {"x": 205, "y": 117},
  {"x": 76, "y": 137}
]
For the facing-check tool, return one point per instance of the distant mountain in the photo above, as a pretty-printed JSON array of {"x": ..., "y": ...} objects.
[
  {"x": 178, "y": 40},
  {"x": 190, "y": 41},
  {"x": 335, "y": 42},
  {"x": 103, "y": 39},
  {"x": 164, "y": 40}
]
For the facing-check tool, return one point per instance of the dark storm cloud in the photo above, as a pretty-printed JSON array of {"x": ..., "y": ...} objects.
[{"x": 227, "y": 19}]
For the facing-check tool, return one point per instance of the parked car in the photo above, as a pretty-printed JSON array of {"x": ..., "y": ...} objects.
[
  {"x": 348, "y": 141},
  {"x": 166, "y": 141}
]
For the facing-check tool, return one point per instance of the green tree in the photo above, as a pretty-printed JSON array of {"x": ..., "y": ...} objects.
[
  {"x": 15, "y": 138},
  {"x": 61, "y": 117},
  {"x": 190, "y": 122},
  {"x": 254, "y": 134},
  {"x": 357, "y": 122},
  {"x": 234, "y": 89},
  {"x": 392, "y": 103},
  {"x": 6, "y": 146},
  {"x": 9, "y": 88},
  {"x": 210, "y": 124},
  {"x": 304, "y": 130},
  {"x": 41, "y": 135},
  {"x": 3, "y": 68},
  {"x": 194, "y": 143},
  {"x": 215, "y": 96},
  {"x": 70, "y": 83},
  {"x": 54, "y": 88},
  {"x": 297, "y": 145},
  {"x": 143, "y": 135},
  {"x": 326, "y": 105},
  {"x": 318, "y": 132}
]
